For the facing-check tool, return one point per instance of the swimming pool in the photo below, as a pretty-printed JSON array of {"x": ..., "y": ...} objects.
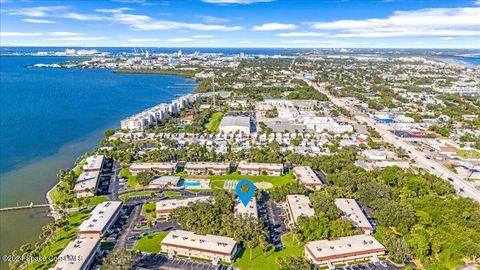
[{"x": 191, "y": 184}]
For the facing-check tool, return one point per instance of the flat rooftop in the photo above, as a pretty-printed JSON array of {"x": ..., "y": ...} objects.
[
  {"x": 352, "y": 211},
  {"x": 101, "y": 215},
  {"x": 206, "y": 243},
  {"x": 87, "y": 180},
  {"x": 307, "y": 176},
  {"x": 202, "y": 165},
  {"x": 164, "y": 180},
  {"x": 249, "y": 210},
  {"x": 299, "y": 205},
  {"x": 167, "y": 205},
  {"x": 227, "y": 121},
  {"x": 256, "y": 166},
  {"x": 94, "y": 162},
  {"x": 344, "y": 247},
  {"x": 82, "y": 248},
  {"x": 150, "y": 165}
]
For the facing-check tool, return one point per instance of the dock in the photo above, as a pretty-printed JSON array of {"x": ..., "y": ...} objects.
[{"x": 19, "y": 207}]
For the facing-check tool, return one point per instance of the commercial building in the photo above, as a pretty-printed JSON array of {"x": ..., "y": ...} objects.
[
  {"x": 164, "y": 181},
  {"x": 86, "y": 185},
  {"x": 207, "y": 167},
  {"x": 78, "y": 255},
  {"x": 374, "y": 155},
  {"x": 232, "y": 124},
  {"x": 382, "y": 118},
  {"x": 351, "y": 210},
  {"x": 298, "y": 205},
  {"x": 93, "y": 163},
  {"x": 207, "y": 247},
  {"x": 307, "y": 177},
  {"x": 344, "y": 249},
  {"x": 164, "y": 208},
  {"x": 102, "y": 217},
  {"x": 247, "y": 168},
  {"x": 250, "y": 210},
  {"x": 158, "y": 167}
]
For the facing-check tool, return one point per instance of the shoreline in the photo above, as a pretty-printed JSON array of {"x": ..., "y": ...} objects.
[
  {"x": 53, "y": 214},
  {"x": 456, "y": 62}
]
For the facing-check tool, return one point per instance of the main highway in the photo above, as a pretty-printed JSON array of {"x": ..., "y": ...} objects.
[{"x": 463, "y": 187}]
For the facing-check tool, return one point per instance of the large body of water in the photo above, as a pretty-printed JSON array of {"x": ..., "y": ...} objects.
[{"x": 49, "y": 117}]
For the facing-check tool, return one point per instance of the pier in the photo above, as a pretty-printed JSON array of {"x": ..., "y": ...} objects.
[{"x": 31, "y": 205}]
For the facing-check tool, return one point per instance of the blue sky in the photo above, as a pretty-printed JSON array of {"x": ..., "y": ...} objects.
[{"x": 242, "y": 23}]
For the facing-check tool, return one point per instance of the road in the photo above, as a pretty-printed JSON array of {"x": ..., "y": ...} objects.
[{"x": 463, "y": 187}]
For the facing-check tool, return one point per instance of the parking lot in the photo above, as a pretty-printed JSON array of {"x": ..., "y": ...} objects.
[
  {"x": 380, "y": 265},
  {"x": 158, "y": 261}
]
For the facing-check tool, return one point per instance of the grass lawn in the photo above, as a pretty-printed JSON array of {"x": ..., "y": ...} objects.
[
  {"x": 131, "y": 179},
  {"x": 148, "y": 210},
  {"x": 268, "y": 261},
  {"x": 60, "y": 240},
  {"x": 214, "y": 121},
  {"x": 172, "y": 193},
  {"x": 62, "y": 196},
  {"x": 468, "y": 154},
  {"x": 124, "y": 197},
  {"x": 217, "y": 180},
  {"x": 150, "y": 243}
]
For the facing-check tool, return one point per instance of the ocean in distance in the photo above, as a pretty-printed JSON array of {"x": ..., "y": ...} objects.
[{"x": 49, "y": 117}]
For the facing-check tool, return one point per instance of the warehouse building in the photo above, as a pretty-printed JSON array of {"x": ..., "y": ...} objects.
[
  {"x": 78, "y": 255},
  {"x": 307, "y": 177},
  {"x": 247, "y": 168},
  {"x": 351, "y": 248},
  {"x": 102, "y": 218},
  {"x": 159, "y": 167},
  {"x": 206, "y": 247},
  {"x": 207, "y": 168},
  {"x": 232, "y": 124},
  {"x": 351, "y": 210},
  {"x": 298, "y": 205},
  {"x": 164, "y": 208}
]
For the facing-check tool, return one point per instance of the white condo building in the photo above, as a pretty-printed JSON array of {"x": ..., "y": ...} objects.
[
  {"x": 207, "y": 247},
  {"x": 299, "y": 205},
  {"x": 102, "y": 217},
  {"x": 351, "y": 210}
]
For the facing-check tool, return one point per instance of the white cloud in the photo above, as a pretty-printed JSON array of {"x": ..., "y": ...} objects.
[
  {"x": 143, "y": 22},
  {"x": 63, "y": 34},
  {"x": 38, "y": 21},
  {"x": 112, "y": 10},
  {"x": 140, "y": 40},
  {"x": 180, "y": 39},
  {"x": 303, "y": 41},
  {"x": 212, "y": 19},
  {"x": 477, "y": 2},
  {"x": 203, "y": 36},
  {"x": 274, "y": 26},
  {"x": 301, "y": 34},
  {"x": 19, "y": 34},
  {"x": 78, "y": 38},
  {"x": 82, "y": 17},
  {"x": 42, "y": 11},
  {"x": 415, "y": 23},
  {"x": 240, "y": 2},
  {"x": 245, "y": 42}
]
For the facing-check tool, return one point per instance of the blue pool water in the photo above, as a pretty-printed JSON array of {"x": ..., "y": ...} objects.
[{"x": 191, "y": 184}]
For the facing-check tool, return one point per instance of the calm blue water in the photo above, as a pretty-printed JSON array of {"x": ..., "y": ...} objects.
[
  {"x": 471, "y": 61},
  {"x": 117, "y": 50},
  {"x": 42, "y": 109},
  {"x": 49, "y": 117}
]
